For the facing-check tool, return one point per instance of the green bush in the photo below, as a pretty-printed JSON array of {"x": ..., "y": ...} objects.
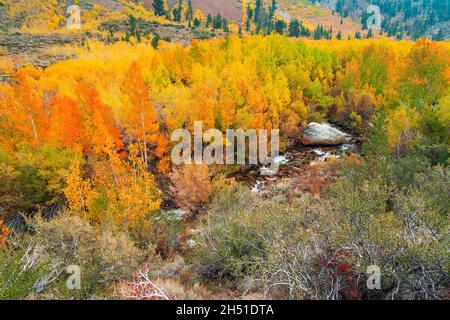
[
  {"x": 15, "y": 281},
  {"x": 104, "y": 255},
  {"x": 230, "y": 244},
  {"x": 33, "y": 177}
]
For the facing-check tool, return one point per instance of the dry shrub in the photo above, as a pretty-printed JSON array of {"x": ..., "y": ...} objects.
[
  {"x": 117, "y": 254},
  {"x": 191, "y": 186},
  {"x": 104, "y": 255},
  {"x": 172, "y": 289},
  {"x": 254, "y": 297},
  {"x": 310, "y": 182},
  {"x": 162, "y": 289},
  {"x": 175, "y": 289},
  {"x": 141, "y": 287},
  {"x": 164, "y": 280},
  {"x": 363, "y": 104},
  {"x": 169, "y": 269},
  {"x": 320, "y": 175},
  {"x": 199, "y": 292},
  {"x": 221, "y": 183},
  {"x": 67, "y": 238}
]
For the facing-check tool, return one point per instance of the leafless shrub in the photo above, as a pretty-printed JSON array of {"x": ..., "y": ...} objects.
[{"x": 191, "y": 186}]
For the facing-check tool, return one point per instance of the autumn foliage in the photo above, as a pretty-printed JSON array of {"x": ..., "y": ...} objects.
[
  {"x": 86, "y": 143},
  {"x": 4, "y": 233},
  {"x": 134, "y": 94},
  {"x": 191, "y": 186},
  {"x": 116, "y": 106}
]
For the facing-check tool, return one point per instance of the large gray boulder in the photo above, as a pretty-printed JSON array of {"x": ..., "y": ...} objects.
[{"x": 317, "y": 134}]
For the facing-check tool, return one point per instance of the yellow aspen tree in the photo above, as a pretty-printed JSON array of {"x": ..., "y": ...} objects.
[
  {"x": 138, "y": 117},
  {"x": 79, "y": 192}
]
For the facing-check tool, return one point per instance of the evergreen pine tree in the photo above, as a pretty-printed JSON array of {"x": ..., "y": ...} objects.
[
  {"x": 258, "y": 9},
  {"x": 294, "y": 28},
  {"x": 217, "y": 22},
  {"x": 158, "y": 7},
  {"x": 280, "y": 25},
  {"x": 249, "y": 18},
  {"x": 189, "y": 11},
  {"x": 209, "y": 21},
  {"x": 225, "y": 26},
  {"x": 177, "y": 11}
]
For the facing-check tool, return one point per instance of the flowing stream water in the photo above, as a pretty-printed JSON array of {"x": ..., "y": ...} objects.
[{"x": 297, "y": 160}]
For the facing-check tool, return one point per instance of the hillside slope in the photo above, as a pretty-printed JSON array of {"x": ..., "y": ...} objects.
[
  {"x": 229, "y": 9},
  {"x": 34, "y": 31},
  {"x": 313, "y": 15},
  {"x": 413, "y": 19}
]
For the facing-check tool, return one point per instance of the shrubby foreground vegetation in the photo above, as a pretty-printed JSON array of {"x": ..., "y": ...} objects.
[
  {"x": 386, "y": 211},
  {"x": 87, "y": 180}
]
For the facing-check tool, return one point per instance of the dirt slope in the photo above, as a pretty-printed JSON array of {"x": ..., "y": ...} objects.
[
  {"x": 304, "y": 10},
  {"x": 227, "y": 8},
  {"x": 313, "y": 15}
]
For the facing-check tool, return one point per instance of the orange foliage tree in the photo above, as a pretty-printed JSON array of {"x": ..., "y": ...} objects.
[
  {"x": 4, "y": 233},
  {"x": 27, "y": 108},
  {"x": 65, "y": 127},
  {"x": 108, "y": 102},
  {"x": 99, "y": 126},
  {"x": 139, "y": 119}
]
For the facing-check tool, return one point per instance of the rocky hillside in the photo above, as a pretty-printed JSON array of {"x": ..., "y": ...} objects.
[
  {"x": 312, "y": 15},
  {"x": 230, "y": 9},
  {"x": 400, "y": 18},
  {"x": 31, "y": 31}
]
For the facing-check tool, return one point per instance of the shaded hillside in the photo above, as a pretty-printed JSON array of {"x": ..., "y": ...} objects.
[{"x": 401, "y": 18}]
